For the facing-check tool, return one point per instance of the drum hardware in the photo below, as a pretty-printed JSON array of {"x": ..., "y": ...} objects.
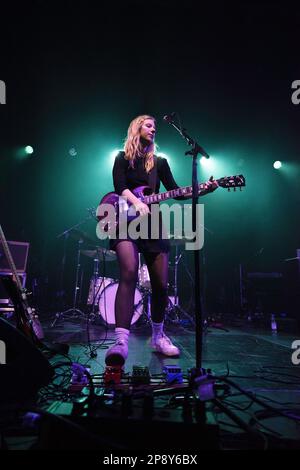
[
  {"x": 92, "y": 300},
  {"x": 174, "y": 309},
  {"x": 76, "y": 313},
  {"x": 144, "y": 277},
  {"x": 99, "y": 252},
  {"x": 102, "y": 293},
  {"x": 80, "y": 237}
]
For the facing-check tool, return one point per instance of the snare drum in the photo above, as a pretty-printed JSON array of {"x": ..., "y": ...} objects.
[
  {"x": 107, "y": 304},
  {"x": 96, "y": 288},
  {"x": 144, "y": 278}
]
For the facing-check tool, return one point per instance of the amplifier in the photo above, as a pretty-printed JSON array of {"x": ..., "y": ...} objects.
[
  {"x": 19, "y": 253},
  {"x": 5, "y": 302}
]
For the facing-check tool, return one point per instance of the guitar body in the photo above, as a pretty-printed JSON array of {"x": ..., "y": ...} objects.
[
  {"x": 26, "y": 319},
  {"x": 113, "y": 198}
]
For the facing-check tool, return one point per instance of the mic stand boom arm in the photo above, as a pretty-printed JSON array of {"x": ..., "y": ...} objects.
[{"x": 196, "y": 147}]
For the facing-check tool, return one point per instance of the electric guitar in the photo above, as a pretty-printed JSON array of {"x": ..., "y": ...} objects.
[
  {"x": 146, "y": 195},
  {"x": 26, "y": 317}
]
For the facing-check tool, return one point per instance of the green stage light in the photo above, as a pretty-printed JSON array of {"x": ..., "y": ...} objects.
[
  {"x": 277, "y": 165},
  {"x": 72, "y": 152},
  {"x": 208, "y": 163},
  {"x": 28, "y": 150}
]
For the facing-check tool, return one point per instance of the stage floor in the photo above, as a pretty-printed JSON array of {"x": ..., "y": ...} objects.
[
  {"x": 255, "y": 359},
  {"x": 249, "y": 358}
]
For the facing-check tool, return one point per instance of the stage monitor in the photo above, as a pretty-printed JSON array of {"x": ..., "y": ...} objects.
[{"x": 19, "y": 253}]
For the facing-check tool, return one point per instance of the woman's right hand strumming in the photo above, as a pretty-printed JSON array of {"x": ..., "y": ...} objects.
[
  {"x": 139, "y": 206},
  {"x": 142, "y": 208}
]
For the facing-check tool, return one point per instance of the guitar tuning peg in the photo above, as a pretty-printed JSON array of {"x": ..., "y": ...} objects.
[
  {"x": 234, "y": 189},
  {"x": 240, "y": 188},
  {"x": 229, "y": 190}
]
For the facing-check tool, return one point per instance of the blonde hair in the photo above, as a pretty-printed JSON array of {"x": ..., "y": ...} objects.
[{"x": 133, "y": 147}]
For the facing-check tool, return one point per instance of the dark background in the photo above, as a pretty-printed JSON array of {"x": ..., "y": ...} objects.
[{"x": 78, "y": 73}]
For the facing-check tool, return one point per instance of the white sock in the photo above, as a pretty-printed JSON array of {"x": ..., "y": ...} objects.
[
  {"x": 157, "y": 329},
  {"x": 122, "y": 334}
]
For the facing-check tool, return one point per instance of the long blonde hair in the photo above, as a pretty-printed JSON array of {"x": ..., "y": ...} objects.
[{"x": 132, "y": 145}]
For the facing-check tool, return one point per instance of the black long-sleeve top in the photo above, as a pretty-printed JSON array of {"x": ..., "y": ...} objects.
[{"x": 126, "y": 177}]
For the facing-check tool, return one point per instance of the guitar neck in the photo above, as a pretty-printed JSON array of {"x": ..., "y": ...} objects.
[
  {"x": 10, "y": 259},
  {"x": 184, "y": 191}
]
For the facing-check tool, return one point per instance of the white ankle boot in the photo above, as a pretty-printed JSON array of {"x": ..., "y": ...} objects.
[{"x": 164, "y": 345}]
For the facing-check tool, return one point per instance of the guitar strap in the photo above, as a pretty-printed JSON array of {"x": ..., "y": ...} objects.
[{"x": 153, "y": 175}]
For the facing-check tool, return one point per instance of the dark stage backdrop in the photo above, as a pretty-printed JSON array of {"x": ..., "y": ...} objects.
[{"x": 76, "y": 74}]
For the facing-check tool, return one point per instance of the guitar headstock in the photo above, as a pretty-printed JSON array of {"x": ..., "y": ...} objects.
[{"x": 236, "y": 181}]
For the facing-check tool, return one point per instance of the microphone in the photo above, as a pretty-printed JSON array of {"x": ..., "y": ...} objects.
[{"x": 169, "y": 117}]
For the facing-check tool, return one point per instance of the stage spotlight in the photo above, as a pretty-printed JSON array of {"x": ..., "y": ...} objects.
[
  {"x": 277, "y": 165},
  {"x": 72, "y": 152},
  {"x": 28, "y": 150},
  {"x": 208, "y": 163}
]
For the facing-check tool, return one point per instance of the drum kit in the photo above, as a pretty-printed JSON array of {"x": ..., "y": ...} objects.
[{"x": 102, "y": 290}]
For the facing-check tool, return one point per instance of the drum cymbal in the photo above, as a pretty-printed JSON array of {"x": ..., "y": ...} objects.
[
  {"x": 107, "y": 255},
  {"x": 78, "y": 235}
]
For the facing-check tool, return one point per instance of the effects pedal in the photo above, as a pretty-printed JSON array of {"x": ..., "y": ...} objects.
[
  {"x": 140, "y": 375},
  {"x": 173, "y": 374},
  {"x": 79, "y": 379},
  {"x": 112, "y": 375}
]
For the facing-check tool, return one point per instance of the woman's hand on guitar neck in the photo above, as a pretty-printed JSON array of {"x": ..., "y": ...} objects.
[{"x": 210, "y": 186}]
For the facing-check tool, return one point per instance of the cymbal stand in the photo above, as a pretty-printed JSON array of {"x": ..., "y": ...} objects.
[
  {"x": 66, "y": 234},
  {"x": 175, "y": 308},
  {"x": 146, "y": 294},
  {"x": 95, "y": 287},
  {"x": 73, "y": 310}
]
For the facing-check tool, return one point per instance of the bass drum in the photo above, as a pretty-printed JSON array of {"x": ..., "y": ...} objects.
[
  {"x": 96, "y": 288},
  {"x": 107, "y": 304}
]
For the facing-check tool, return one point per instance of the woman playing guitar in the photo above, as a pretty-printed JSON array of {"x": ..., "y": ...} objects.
[{"x": 136, "y": 166}]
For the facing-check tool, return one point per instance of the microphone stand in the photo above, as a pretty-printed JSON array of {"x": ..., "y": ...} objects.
[{"x": 195, "y": 150}]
